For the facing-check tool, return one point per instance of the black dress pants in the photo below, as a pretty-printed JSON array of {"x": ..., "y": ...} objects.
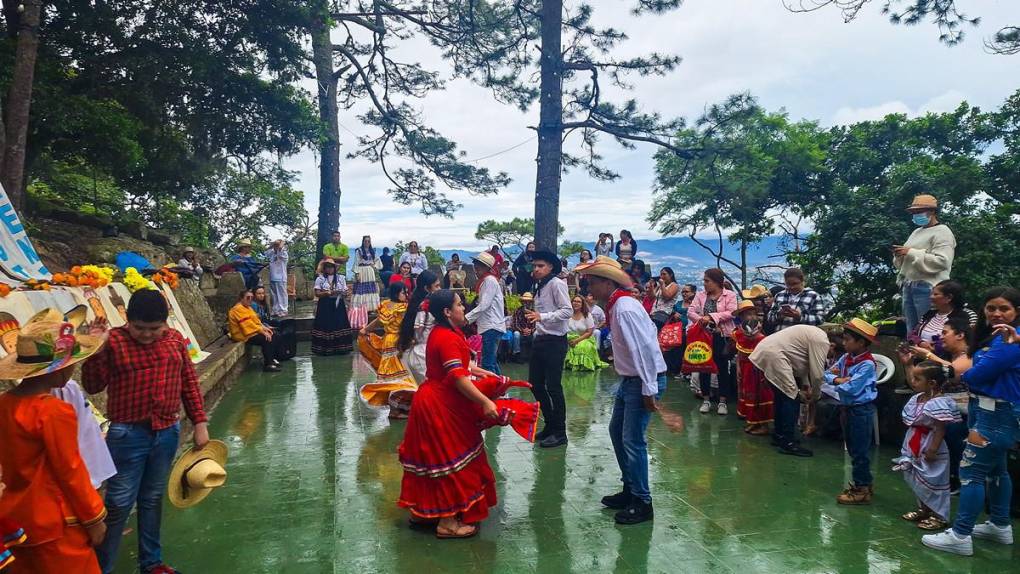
[
  {"x": 545, "y": 373},
  {"x": 268, "y": 347}
]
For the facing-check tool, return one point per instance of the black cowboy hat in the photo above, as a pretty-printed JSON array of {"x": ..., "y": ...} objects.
[{"x": 549, "y": 257}]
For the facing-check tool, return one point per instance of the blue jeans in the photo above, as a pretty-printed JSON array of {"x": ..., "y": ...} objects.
[
  {"x": 627, "y": 431},
  {"x": 860, "y": 422},
  {"x": 490, "y": 348},
  {"x": 916, "y": 302},
  {"x": 984, "y": 468},
  {"x": 143, "y": 458}
]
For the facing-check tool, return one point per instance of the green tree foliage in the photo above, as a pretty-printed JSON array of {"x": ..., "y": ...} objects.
[
  {"x": 755, "y": 168},
  {"x": 568, "y": 248},
  {"x": 946, "y": 14},
  {"x": 873, "y": 169},
  {"x": 165, "y": 105},
  {"x": 514, "y": 233}
]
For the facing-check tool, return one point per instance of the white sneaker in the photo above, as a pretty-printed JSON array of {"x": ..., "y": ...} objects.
[
  {"x": 948, "y": 541},
  {"x": 722, "y": 409},
  {"x": 989, "y": 531},
  {"x": 705, "y": 407}
]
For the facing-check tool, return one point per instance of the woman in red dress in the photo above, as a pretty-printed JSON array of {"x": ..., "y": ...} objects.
[
  {"x": 755, "y": 403},
  {"x": 447, "y": 479}
]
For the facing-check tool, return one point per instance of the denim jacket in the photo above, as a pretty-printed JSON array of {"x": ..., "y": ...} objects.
[
  {"x": 863, "y": 384},
  {"x": 996, "y": 371}
]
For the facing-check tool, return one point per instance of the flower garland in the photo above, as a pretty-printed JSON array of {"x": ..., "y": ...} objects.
[
  {"x": 165, "y": 275},
  {"x": 84, "y": 276},
  {"x": 135, "y": 281}
]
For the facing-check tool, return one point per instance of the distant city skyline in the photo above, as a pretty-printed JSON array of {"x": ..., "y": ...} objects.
[{"x": 814, "y": 65}]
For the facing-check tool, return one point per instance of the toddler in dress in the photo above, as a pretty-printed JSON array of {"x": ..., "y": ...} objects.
[{"x": 924, "y": 456}]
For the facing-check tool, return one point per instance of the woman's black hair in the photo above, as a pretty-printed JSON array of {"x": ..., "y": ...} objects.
[
  {"x": 425, "y": 280},
  {"x": 264, "y": 303},
  {"x": 960, "y": 325},
  {"x": 953, "y": 290},
  {"x": 371, "y": 248},
  {"x": 938, "y": 373},
  {"x": 669, "y": 271},
  {"x": 440, "y": 301},
  {"x": 385, "y": 250},
  {"x": 395, "y": 290},
  {"x": 983, "y": 331},
  {"x": 148, "y": 306}
]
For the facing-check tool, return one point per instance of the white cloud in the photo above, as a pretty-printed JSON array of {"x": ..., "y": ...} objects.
[{"x": 813, "y": 65}]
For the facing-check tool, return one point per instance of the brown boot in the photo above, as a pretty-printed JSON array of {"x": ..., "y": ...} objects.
[{"x": 855, "y": 495}]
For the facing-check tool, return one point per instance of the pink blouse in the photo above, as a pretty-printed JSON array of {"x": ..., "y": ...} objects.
[{"x": 726, "y": 305}]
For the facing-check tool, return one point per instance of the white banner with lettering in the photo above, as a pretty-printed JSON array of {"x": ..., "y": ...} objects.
[{"x": 18, "y": 258}]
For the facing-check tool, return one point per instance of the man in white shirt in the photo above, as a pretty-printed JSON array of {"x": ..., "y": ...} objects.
[
  {"x": 489, "y": 315},
  {"x": 277, "y": 257},
  {"x": 924, "y": 260},
  {"x": 549, "y": 349},
  {"x": 642, "y": 369}
]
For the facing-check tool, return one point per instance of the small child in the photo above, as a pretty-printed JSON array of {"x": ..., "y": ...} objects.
[
  {"x": 924, "y": 455},
  {"x": 855, "y": 378},
  {"x": 754, "y": 403},
  {"x": 40, "y": 452}
]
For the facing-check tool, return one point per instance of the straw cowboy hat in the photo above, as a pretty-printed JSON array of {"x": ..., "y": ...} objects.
[
  {"x": 863, "y": 328},
  {"x": 607, "y": 269},
  {"x": 527, "y": 297},
  {"x": 48, "y": 343},
  {"x": 550, "y": 258},
  {"x": 485, "y": 258},
  {"x": 746, "y": 305},
  {"x": 754, "y": 292},
  {"x": 197, "y": 473},
  {"x": 244, "y": 242},
  {"x": 325, "y": 261},
  {"x": 190, "y": 249},
  {"x": 923, "y": 202}
]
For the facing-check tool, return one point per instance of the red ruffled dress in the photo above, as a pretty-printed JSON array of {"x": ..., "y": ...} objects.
[
  {"x": 446, "y": 471},
  {"x": 756, "y": 394}
]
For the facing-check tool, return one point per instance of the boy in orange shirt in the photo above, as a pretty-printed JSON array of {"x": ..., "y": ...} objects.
[{"x": 40, "y": 453}]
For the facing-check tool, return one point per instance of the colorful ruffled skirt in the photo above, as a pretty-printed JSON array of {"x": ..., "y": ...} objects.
[
  {"x": 394, "y": 385},
  {"x": 583, "y": 356},
  {"x": 446, "y": 470},
  {"x": 366, "y": 289}
]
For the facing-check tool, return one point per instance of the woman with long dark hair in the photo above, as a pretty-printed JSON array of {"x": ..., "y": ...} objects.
[
  {"x": 666, "y": 293},
  {"x": 393, "y": 385},
  {"x": 366, "y": 287},
  {"x": 417, "y": 325},
  {"x": 447, "y": 478},
  {"x": 626, "y": 248},
  {"x": 331, "y": 330},
  {"x": 713, "y": 309},
  {"x": 994, "y": 384}
]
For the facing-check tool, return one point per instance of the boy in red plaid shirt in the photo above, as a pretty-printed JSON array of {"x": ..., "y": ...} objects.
[{"x": 147, "y": 373}]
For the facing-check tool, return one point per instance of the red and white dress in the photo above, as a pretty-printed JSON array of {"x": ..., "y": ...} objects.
[{"x": 446, "y": 471}]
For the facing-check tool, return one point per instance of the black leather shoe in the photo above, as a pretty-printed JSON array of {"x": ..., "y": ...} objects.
[
  {"x": 271, "y": 369},
  {"x": 636, "y": 512},
  {"x": 540, "y": 435},
  {"x": 795, "y": 450},
  {"x": 618, "y": 501},
  {"x": 553, "y": 440}
]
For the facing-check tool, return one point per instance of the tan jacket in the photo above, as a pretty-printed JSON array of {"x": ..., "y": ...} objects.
[{"x": 792, "y": 357}]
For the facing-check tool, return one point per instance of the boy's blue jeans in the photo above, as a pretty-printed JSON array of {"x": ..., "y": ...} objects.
[
  {"x": 490, "y": 350},
  {"x": 143, "y": 458},
  {"x": 627, "y": 431},
  {"x": 859, "y": 427},
  {"x": 983, "y": 468}
]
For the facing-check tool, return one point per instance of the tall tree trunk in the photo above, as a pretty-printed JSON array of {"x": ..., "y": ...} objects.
[
  {"x": 550, "y": 128},
  {"x": 743, "y": 264},
  {"x": 19, "y": 101},
  {"x": 329, "y": 148}
]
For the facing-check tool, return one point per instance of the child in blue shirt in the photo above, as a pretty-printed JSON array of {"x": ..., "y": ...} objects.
[{"x": 856, "y": 380}]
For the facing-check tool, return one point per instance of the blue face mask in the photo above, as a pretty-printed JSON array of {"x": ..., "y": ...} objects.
[{"x": 921, "y": 219}]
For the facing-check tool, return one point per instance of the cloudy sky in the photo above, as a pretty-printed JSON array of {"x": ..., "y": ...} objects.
[{"x": 813, "y": 65}]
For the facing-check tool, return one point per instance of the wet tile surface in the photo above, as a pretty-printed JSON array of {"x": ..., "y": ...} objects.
[{"x": 313, "y": 477}]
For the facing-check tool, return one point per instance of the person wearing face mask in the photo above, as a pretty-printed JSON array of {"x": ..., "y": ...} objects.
[
  {"x": 925, "y": 259},
  {"x": 756, "y": 395}
]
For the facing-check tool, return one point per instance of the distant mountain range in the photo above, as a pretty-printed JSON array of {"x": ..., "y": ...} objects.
[{"x": 685, "y": 257}]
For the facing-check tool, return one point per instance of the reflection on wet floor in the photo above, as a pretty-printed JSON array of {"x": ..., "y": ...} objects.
[{"x": 313, "y": 477}]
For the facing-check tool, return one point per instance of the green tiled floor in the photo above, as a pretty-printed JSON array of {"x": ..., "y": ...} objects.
[{"x": 314, "y": 476}]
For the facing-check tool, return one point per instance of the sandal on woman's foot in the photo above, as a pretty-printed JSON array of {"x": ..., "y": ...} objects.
[
  {"x": 933, "y": 523},
  {"x": 810, "y": 430},
  {"x": 916, "y": 515},
  {"x": 445, "y": 534}
]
